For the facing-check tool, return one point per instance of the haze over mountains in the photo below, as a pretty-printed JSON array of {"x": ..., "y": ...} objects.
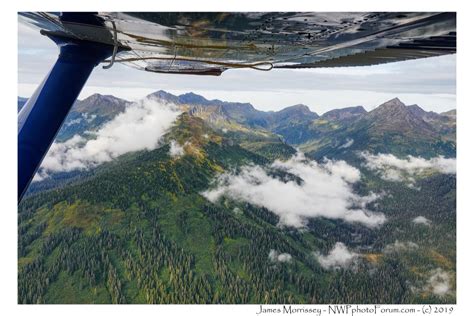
[{"x": 224, "y": 203}]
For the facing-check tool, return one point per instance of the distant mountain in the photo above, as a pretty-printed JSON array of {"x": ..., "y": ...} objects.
[
  {"x": 395, "y": 116},
  {"x": 392, "y": 127},
  {"x": 346, "y": 114},
  {"x": 243, "y": 113},
  {"x": 443, "y": 123},
  {"x": 424, "y": 115},
  {"x": 451, "y": 114},
  {"x": 101, "y": 105},
  {"x": 295, "y": 113},
  {"x": 192, "y": 98},
  {"x": 298, "y": 125},
  {"x": 163, "y": 95},
  {"x": 225, "y": 114},
  {"x": 90, "y": 114}
]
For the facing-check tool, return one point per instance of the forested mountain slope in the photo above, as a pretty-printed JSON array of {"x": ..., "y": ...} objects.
[{"x": 198, "y": 219}]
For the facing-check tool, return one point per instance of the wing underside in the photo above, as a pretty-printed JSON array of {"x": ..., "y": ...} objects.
[{"x": 210, "y": 43}]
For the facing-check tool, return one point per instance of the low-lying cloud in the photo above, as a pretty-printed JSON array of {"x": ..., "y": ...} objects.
[
  {"x": 139, "y": 127},
  {"x": 398, "y": 246},
  {"x": 325, "y": 191},
  {"x": 421, "y": 220},
  {"x": 438, "y": 282},
  {"x": 338, "y": 257},
  {"x": 84, "y": 117},
  {"x": 391, "y": 168},
  {"x": 349, "y": 142},
  {"x": 275, "y": 256},
  {"x": 176, "y": 150}
]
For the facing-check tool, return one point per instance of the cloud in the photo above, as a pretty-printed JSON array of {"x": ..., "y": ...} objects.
[
  {"x": 400, "y": 246},
  {"x": 421, "y": 220},
  {"x": 438, "y": 282},
  {"x": 349, "y": 142},
  {"x": 274, "y": 256},
  {"x": 338, "y": 257},
  {"x": 84, "y": 116},
  {"x": 176, "y": 150},
  {"x": 394, "y": 169},
  {"x": 325, "y": 191},
  {"x": 89, "y": 118},
  {"x": 342, "y": 169},
  {"x": 73, "y": 122},
  {"x": 237, "y": 211},
  {"x": 139, "y": 127}
]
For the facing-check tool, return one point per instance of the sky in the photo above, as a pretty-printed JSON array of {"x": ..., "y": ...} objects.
[{"x": 430, "y": 82}]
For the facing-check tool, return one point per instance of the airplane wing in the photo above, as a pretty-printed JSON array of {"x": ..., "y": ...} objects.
[{"x": 209, "y": 43}]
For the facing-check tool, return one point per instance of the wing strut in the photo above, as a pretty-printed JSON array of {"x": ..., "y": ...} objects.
[{"x": 43, "y": 114}]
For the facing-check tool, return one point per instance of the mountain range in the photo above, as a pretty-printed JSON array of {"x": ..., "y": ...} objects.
[
  {"x": 237, "y": 205},
  {"x": 297, "y": 125}
]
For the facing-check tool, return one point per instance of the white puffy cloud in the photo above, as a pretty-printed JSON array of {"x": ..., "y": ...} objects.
[
  {"x": 421, "y": 220},
  {"x": 391, "y": 168},
  {"x": 325, "y": 191},
  {"x": 343, "y": 170},
  {"x": 400, "y": 246},
  {"x": 338, "y": 257},
  {"x": 84, "y": 116},
  {"x": 176, "y": 150},
  {"x": 349, "y": 142},
  {"x": 274, "y": 256},
  {"x": 139, "y": 127},
  {"x": 438, "y": 282},
  {"x": 89, "y": 118},
  {"x": 39, "y": 177},
  {"x": 237, "y": 211},
  {"x": 73, "y": 122}
]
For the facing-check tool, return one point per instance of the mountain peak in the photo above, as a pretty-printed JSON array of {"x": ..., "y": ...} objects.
[
  {"x": 415, "y": 106},
  {"x": 192, "y": 98},
  {"x": 416, "y": 110},
  {"x": 299, "y": 111},
  {"x": 451, "y": 113},
  {"x": 98, "y": 103},
  {"x": 298, "y": 107},
  {"x": 345, "y": 113},
  {"x": 424, "y": 115},
  {"x": 394, "y": 115},
  {"x": 395, "y": 102},
  {"x": 162, "y": 95},
  {"x": 393, "y": 107},
  {"x": 92, "y": 97},
  {"x": 97, "y": 97}
]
